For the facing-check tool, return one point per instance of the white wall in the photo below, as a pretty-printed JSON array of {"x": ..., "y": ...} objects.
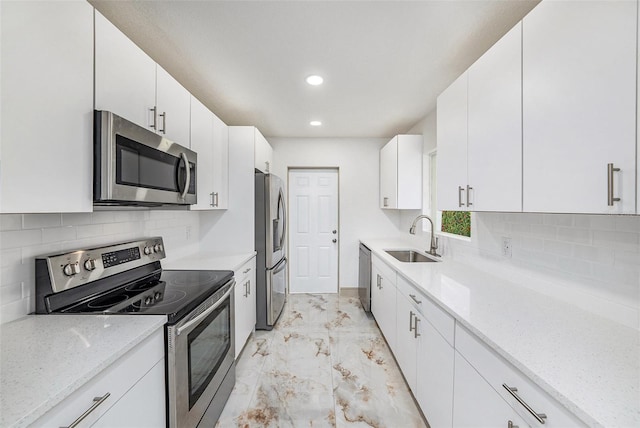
[
  {"x": 25, "y": 236},
  {"x": 358, "y": 162}
]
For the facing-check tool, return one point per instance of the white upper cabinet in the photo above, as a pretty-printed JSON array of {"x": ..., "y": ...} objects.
[
  {"x": 172, "y": 104},
  {"x": 47, "y": 107},
  {"x": 494, "y": 147},
  {"x": 210, "y": 139},
  {"x": 579, "y": 105},
  {"x": 125, "y": 76},
  {"x": 401, "y": 173},
  {"x": 451, "y": 131},
  {"x": 263, "y": 153}
]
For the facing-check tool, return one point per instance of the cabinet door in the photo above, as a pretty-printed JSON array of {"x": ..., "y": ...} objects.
[
  {"x": 406, "y": 340},
  {"x": 383, "y": 305},
  {"x": 220, "y": 164},
  {"x": 202, "y": 142},
  {"x": 409, "y": 172},
  {"x": 125, "y": 76},
  {"x": 245, "y": 304},
  {"x": 173, "y": 103},
  {"x": 143, "y": 406},
  {"x": 47, "y": 107},
  {"x": 263, "y": 153},
  {"x": 579, "y": 106},
  {"x": 476, "y": 404},
  {"x": 452, "y": 146},
  {"x": 389, "y": 174},
  {"x": 494, "y": 146},
  {"x": 434, "y": 376}
]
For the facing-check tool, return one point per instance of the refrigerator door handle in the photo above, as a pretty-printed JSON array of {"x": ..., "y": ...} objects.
[{"x": 281, "y": 202}]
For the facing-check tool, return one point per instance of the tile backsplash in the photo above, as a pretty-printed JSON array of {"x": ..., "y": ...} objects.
[
  {"x": 592, "y": 261},
  {"x": 25, "y": 236}
]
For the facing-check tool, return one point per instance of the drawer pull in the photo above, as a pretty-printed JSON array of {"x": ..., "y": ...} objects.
[
  {"x": 413, "y": 296},
  {"x": 246, "y": 270},
  {"x": 97, "y": 401},
  {"x": 511, "y": 425},
  {"x": 540, "y": 417}
]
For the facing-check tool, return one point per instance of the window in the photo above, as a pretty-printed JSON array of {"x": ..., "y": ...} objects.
[{"x": 450, "y": 222}]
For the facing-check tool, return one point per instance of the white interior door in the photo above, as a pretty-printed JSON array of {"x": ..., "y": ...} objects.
[{"x": 314, "y": 237}]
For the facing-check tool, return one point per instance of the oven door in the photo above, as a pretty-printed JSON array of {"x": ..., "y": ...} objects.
[
  {"x": 200, "y": 350},
  {"x": 134, "y": 166}
]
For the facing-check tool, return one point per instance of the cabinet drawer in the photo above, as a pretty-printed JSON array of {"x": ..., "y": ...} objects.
[
  {"x": 243, "y": 273},
  {"x": 387, "y": 272},
  {"x": 116, "y": 380},
  {"x": 441, "y": 321},
  {"x": 498, "y": 371}
]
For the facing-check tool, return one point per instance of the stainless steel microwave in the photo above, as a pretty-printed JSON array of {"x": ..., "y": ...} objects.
[{"x": 133, "y": 166}]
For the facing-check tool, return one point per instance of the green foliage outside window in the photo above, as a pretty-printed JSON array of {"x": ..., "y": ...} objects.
[{"x": 457, "y": 222}]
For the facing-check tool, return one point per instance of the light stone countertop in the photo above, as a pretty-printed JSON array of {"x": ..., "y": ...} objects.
[
  {"x": 589, "y": 364},
  {"x": 45, "y": 358},
  {"x": 209, "y": 261}
]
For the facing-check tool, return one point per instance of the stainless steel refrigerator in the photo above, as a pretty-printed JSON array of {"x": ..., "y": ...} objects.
[{"x": 271, "y": 263}]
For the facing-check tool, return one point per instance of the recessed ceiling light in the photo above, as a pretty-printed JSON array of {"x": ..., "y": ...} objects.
[
  {"x": 315, "y": 80},
  {"x": 315, "y": 123}
]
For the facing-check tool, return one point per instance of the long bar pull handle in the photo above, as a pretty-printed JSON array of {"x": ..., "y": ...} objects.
[
  {"x": 215, "y": 199},
  {"x": 460, "y": 190},
  {"x": 413, "y": 296},
  {"x": 415, "y": 328},
  {"x": 212, "y": 203},
  {"x": 96, "y": 402},
  {"x": 469, "y": 195},
  {"x": 163, "y": 115},
  {"x": 511, "y": 425},
  {"x": 411, "y": 315},
  {"x": 610, "y": 170},
  {"x": 385, "y": 202},
  {"x": 540, "y": 417},
  {"x": 154, "y": 124}
]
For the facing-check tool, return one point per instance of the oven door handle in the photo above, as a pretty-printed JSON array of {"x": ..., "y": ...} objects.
[{"x": 206, "y": 313}]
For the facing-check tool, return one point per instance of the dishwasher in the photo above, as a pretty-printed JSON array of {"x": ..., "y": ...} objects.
[{"x": 364, "y": 277}]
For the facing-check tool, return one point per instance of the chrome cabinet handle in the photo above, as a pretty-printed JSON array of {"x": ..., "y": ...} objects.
[
  {"x": 460, "y": 190},
  {"x": 379, "y": 281},
  {"x": 411, "y": 315},
  {"x": 96, "y": 402},
  {"x": 266, "y": 166},
  {"x": 511, "y": 425},
  {"x": 211, "y": 203},
  {"x": 415, "y": 328},
  {"x": 249, "y": 288},
  {"x": 154, "y": 124},
  {"x": 385, "y": 202},
  {"x": 215, "y": 199},
  {"x": 610, "y": 170},
  {"x": 163, "y": 115},
  {"x": 540, "y": 417},
  {"x": 413, "y": 296},
  {"x": 469, "y": 195},
  {"x": 246, "y": 270},
  {"x": 246, "y": 289}
]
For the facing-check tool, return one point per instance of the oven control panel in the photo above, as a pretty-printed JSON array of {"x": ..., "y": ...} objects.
[{"x": 79, "y": 267}]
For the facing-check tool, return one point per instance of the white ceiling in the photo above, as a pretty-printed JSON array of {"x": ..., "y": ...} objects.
[{"x": 384, "y": 62}]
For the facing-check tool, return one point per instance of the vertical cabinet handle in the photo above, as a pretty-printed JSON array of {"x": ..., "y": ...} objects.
[
  {"x": 411, "y": 315},
  {"x": 266, "y": 163},
  {"x": 211, "y": 198},
  {"x": 511, "y": 425},
  {"x": 216, "y": 199},
  {"x": 540, "y": 417},
  {"x": 610, "y": 170},
  {"x": 415, "y": 328},
  {"x": 379, "y": 281},
  {"x": 469, "y": 195},
  {"x": 385, "y": 202},
  {"x": 460, "y": 190},
  {"x": 96, "y": 402},
  {"x": 154, "y": 124},
  {"x": 163, "y": 115}
]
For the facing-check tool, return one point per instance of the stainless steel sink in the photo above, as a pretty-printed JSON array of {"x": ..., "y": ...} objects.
[{"x": 410, "y": 256}]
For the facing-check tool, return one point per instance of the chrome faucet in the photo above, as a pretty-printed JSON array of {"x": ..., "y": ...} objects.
[{"x": 434, "y": 240}]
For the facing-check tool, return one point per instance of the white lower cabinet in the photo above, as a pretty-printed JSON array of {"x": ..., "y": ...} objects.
[
  {"x": 131, "y": 392},
  {"x": 245, "y": 303},
  {"x": 407, "y": 339},
  {"x": 476, "y": 404},
  {"x": 383, "y": 300}
]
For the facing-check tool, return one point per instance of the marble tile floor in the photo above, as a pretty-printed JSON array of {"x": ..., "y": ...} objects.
[{"x": 324, "y": 365}]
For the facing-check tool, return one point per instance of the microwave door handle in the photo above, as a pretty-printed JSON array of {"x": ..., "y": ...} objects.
[{"x": 185, "y": 159}]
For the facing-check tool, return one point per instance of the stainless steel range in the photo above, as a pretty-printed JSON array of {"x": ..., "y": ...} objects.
[{"x": 127, "y": 278}]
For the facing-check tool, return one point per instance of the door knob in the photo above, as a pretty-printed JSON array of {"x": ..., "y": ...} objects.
[
  {"x": 334, "y": 231},
  {"x": 334, "y": 240}
]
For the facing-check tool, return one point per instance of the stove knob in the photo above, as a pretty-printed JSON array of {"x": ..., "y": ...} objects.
[
  {"x": 158, "y": 295},
  {"x": 90, "y": 264},
  {"x": 148, "y": 300},
  {"x": 71, "y": 269},
  {"x": 148, "y": 250},
  {"x": 157, "y": 248}
]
